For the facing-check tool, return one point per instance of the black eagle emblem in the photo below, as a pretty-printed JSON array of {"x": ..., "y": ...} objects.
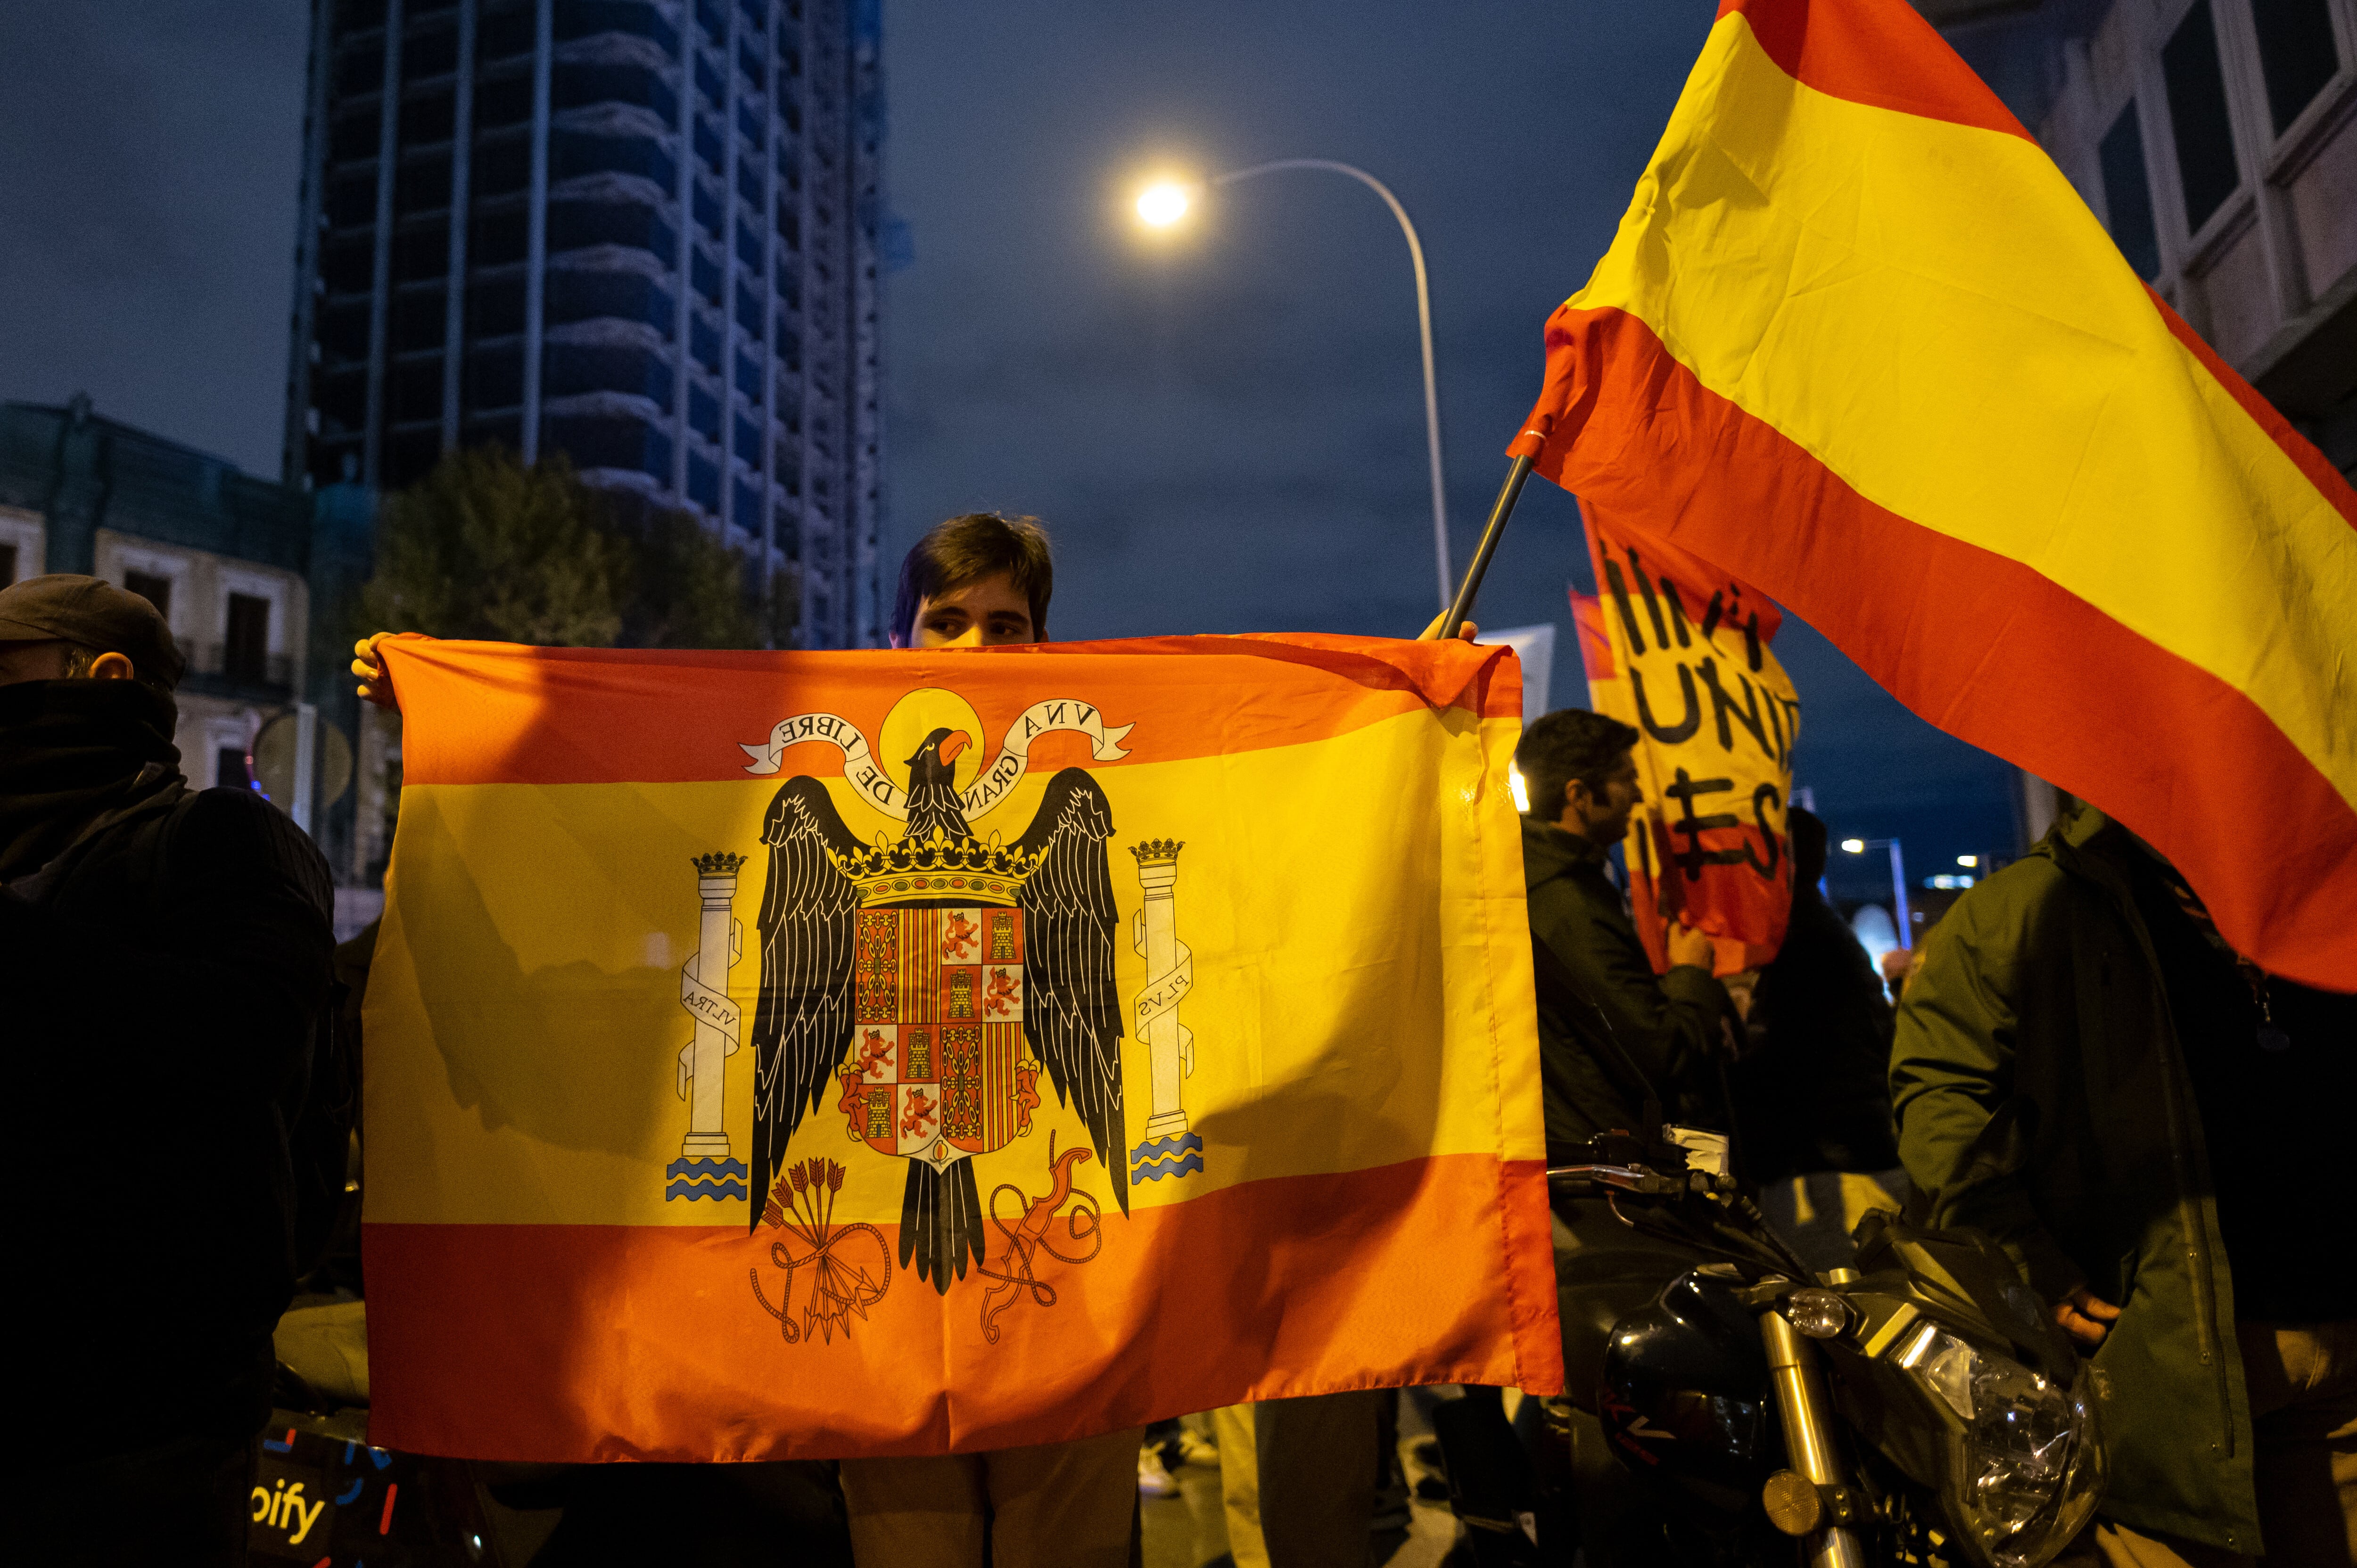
[{"x": 803, "y": 1019}]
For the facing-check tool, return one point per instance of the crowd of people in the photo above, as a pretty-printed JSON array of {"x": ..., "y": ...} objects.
[{"x": 2076, "y": 1064}]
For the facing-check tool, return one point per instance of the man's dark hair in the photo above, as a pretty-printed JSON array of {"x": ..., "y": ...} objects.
[
  {"x": 1568, "y": 744},
  {"x": 965, "y": 550}
]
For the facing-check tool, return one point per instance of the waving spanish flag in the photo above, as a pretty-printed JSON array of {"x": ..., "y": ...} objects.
[
  {"x": 1859, "y": 343},
  {"x": 835, "y": 1054}
]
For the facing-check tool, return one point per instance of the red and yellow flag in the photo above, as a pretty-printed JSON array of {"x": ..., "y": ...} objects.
[
  {"x": 1859, "y": 342},
  {"x": 1679, "y": 652},
  {"x": 831, "y": 1054}
]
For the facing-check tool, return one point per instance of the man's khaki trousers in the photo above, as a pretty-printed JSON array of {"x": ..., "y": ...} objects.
[{"x": 1061, "y": 1505}]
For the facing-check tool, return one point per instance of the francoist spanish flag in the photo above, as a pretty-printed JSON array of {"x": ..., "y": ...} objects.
[
  {"x": 1859, "y": 343},
  {"x": 846, "y": 1054}
]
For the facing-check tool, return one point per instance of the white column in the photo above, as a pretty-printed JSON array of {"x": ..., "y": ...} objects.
[
  {"x": 705, "y": 1060},
  {"x": 1166, "y": 983}
]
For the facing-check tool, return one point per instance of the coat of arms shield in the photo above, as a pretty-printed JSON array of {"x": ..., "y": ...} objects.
[{"x": 938, "y": 1069}]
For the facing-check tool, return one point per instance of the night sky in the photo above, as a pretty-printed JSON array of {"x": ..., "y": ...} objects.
[{"x": 1223, "y": 427}]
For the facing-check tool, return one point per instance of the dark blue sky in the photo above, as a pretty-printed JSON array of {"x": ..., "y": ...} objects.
[{"x": 1225, "y": 433}]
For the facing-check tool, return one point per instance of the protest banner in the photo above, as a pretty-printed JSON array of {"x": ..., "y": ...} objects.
[{"x": 1680, "y": 653}]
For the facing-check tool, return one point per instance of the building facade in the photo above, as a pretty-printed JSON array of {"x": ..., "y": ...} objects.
[
  {"x": 254, "y": 577},
  {"x": 642, "y": 233}
]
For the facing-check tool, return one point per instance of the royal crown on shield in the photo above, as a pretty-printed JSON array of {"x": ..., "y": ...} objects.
[{"x": 905, "y": 872}]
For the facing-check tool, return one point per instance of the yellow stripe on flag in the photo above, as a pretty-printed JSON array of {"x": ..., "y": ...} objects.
[{"x": 1855, "y": 277}]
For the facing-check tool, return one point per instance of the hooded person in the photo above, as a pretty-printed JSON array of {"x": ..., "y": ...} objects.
[
  {"x": 2154, "y": 1128},
  {"x": 163, "y": 954},
  {"x": 1812, "y": 1093}
]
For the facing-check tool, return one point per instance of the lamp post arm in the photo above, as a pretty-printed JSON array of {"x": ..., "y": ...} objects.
[
  {"x": 1423, "y": 333},
  {"x": 1899, "y": 895}
]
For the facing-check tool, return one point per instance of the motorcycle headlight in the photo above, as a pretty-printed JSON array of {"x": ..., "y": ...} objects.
[{"x": 2025, "y": 1456}]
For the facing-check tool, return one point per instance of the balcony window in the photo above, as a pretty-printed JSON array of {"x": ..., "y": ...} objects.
[
  {"x": 2197, "y": 112},
  {"x": 245, "y": 646},
  {"x": 2297, "y": 55},
  {"x": 156, "y": 588}
]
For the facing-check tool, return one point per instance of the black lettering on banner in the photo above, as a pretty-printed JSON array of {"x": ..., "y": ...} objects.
[
  {"x": 1620, "y": 587},
  {"x": 1652, "y": 603},
  {"x": 1722, "y": 706},
  {"x": 1694, "y": 857},
  {"x": 1710, "y": 615},
  {"x": 1677, "y": 612},
  {"x": 1751, "y": 641},
  {"x": 1680, "y": 731},
  {"x": 1776, "y": 728},
  {"x": 1761, "y": 798}
]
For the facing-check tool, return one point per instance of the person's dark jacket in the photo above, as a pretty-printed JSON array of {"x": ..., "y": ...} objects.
[
  {"x": 1609, "y": 1029},
  {"x": 162, "y": 967},
  {"x": 2043, "y": 1097},
  {"x": 1812, "y": 1093}
]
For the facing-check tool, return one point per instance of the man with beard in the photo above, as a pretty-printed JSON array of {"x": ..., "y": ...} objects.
[{"x": 164, "y": 956}]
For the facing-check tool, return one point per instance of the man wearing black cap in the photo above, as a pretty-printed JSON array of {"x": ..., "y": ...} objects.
[{"x": 164, "y": 956}]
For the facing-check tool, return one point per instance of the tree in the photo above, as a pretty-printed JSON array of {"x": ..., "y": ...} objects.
[{"x": 485, "y": 547}]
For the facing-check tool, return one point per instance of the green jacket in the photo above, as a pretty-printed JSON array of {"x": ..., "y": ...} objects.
[
  {"x": 2042, "y": 1097},
  {"x": 1609, "y": 1029}
]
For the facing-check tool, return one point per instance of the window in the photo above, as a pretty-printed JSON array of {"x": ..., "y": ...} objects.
[
  {"x": 246, "y": 649},
  {"x": 230, "y": 771},
  {"x": 2296, "y": 54},
  {"x": 2128, "y": 194},
  {"x": 2197, "y": 112},
  {"x": 155, "y": 589}
]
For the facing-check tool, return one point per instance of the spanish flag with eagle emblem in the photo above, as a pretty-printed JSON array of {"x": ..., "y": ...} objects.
[{"x": 803, "y": 1054}]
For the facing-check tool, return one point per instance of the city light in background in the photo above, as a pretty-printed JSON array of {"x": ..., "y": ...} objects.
[{"x": 1164, "y": 203}]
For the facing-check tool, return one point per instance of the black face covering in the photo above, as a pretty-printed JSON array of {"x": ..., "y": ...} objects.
[{"x": 71, "y": 751}]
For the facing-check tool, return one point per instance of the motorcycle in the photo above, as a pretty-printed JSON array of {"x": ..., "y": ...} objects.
[{"x": 1916, "y": 1407}]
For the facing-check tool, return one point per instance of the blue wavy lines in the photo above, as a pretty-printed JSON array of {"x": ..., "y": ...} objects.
[
  {"x": 1159, "y": 1157},
  {"x": 715, "y": 1179},
  {"x": 714, "y": 1190}
]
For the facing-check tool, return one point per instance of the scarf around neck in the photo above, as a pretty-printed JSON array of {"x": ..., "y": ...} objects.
[{"x": 71, "y": 751}]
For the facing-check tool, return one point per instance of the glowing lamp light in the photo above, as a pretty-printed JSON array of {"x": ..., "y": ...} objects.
[
  {"x": 1163, "y": 205},
  {"x": 1853, "y": 846},
  {"x": 1968, "y": 860},
  {"x": 1520, "y": 790}
]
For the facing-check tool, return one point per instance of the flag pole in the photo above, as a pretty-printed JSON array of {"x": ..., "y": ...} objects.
[{"x": 1491, "y": 533}]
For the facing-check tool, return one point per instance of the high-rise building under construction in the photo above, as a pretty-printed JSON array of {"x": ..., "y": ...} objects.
[{"x": 643, "y": 233}]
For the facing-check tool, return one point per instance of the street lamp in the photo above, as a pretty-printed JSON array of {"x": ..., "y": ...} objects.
[
  {"x": 1166, "y": 202},
  {"x": 1898, "y": 881}
]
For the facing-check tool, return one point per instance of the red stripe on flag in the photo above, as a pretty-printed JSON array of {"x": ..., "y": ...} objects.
[
  {"x": 1978, "y": 643},
  {"x": 2314, "y": 465},
  {"x": 1875, "y": 52},
  {"x": 606, "y": 1342}
]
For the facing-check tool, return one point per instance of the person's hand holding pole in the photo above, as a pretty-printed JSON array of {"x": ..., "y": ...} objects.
[
  {"x": 1690, "y": 947},
  {"x": 376, "y": 685},
  {"x": 1432, "y": 633}
]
